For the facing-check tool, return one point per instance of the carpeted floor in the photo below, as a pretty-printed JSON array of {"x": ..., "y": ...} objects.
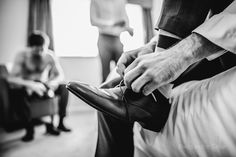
[{"x": 79, "y": 143}]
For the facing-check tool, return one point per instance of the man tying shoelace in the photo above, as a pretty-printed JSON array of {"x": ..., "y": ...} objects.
[{"x": 194, "y": 56}]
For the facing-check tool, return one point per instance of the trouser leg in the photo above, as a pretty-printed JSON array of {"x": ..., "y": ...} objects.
[
  {"x": 110, "y": 49},
  {"x": 115, "y": 138},
  {"x": 63, "y": 94},
  {"x": 117, "y": 49},
  {"x": 104, "y": 54},
  {"x": 105, "y": 62}
]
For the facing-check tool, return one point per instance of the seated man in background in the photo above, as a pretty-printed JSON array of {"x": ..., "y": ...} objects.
[{"x": 36, "y": 72}]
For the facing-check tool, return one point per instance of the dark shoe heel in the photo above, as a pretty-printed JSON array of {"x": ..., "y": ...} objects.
[
  {"x": 29, "y": 136},
  {"x": 62, "y": 127},
  {"x": 50, "y": 129}
]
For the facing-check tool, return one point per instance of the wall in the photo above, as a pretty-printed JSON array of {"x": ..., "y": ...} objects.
[
  {"x": 83, "y": 69},
  {"x": 13, "y": 36},
  {"x": 13, "y": 27},
  {"x": 156, "y": 10}
]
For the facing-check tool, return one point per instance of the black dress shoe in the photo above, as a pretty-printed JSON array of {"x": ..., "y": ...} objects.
[
  {"x": 124, "y": 104},
  {"x": 62, "y": 127},
  {"x": 28, "y": 137},
  {"x": 50, "y": 129}
]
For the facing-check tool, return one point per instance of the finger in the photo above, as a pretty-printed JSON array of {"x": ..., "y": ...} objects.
[
  {"x": 130, "y": 76},
  {"x": 122, "y": 62},
  {"x": 131, "y": 66},
  {"x": 149, "y": 88},
  {"x": 139, "y": 83},
  {"x": 120, "y": 69},
  {"x": 125, "y": 59},
  {"x": 40, "y": 86},
  {"x": 43, "y": 88},
  {"x": 145, "y": 51},
  {"x": 40, "y": 93}
]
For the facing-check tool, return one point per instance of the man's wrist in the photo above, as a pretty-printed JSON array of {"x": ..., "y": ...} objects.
[
  {"x": 206, "y": 48},
  {"x": 162, "y": 41},
  {"x": 195, "y": 47}
]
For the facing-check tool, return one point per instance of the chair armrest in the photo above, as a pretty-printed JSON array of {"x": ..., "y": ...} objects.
[
  {"x": 4, "y": 100},
  {"x": 43, "y": 107}
]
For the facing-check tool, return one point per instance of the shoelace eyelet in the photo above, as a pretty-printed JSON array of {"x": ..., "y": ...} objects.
[{"x": 123, "y": 95}]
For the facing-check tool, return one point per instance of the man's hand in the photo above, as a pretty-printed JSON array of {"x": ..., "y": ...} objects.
[
  {"x": 150, "y": 71},
  {"x": 38, "y": 88},
  {"x": 52, "y": 84},
  {"x": 128, "y": 57}
]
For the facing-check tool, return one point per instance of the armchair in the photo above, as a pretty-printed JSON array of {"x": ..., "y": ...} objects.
[{"x": 38, "y": 107}]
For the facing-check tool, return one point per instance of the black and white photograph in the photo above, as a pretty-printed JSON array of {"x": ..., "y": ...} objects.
[{"x": 117, "y": 78}]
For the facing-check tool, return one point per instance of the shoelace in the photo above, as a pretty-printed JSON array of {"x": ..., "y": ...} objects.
[
  {"x": 121, "y": 90},
  {"x": 123, "y": 95},
  {"x": 125, "y": 100}
]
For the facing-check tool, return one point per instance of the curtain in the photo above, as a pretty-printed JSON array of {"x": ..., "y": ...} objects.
[
  {"x": 40, "y": 18},
  {"x": 147, "y": 24},
  {"x": 146, "y": 6}
]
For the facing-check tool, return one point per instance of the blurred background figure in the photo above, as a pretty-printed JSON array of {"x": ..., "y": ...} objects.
[
  {"x": 111, "y": 19},
  {"x": 37, "y": 73}
]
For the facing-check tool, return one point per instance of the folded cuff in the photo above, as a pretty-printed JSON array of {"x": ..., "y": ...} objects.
[{"x": 221, "y": 30}]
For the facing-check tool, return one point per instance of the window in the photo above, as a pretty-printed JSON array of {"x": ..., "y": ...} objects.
[{"x": 74, "y": 35}]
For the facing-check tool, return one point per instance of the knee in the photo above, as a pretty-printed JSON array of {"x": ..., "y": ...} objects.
[{"x": 62, "y": 90}]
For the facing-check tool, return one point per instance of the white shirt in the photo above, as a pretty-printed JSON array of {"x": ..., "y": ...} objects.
[{"x": 202, "y": 117}]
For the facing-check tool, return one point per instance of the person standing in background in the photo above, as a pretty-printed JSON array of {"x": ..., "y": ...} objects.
[{"x": 111, "y": 19}]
